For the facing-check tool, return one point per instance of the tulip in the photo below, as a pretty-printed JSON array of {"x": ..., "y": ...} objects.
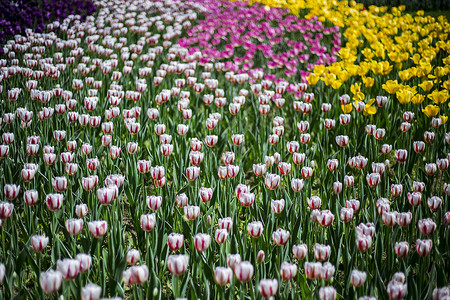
[
  {"x": 329, "y": 123},
  {"x": 300, "y": 251},
  {"x": 106, "y": 195},
  {"x": 307, "y": 172},
  {"x": 284, "y": 168},
  {"x": 428, "y": 136},
  {"x": 346, "y": 214},
  {"x": 30, "y": 197},
  {"x": 414, "y": 198},
  {"x": 280, "y": 236},
  {"x": 363, "y": 242},
  {"x": 86, "y": 149},
  {"x": 302, "y": 126},
  {"x": 39, "y": 243},
  {"x": 305, "y": 138},
  {"x": 181, "y": 200},
  {"x": 97, "y": 228},
  {"x": 326, "y": 107},
  {"x": 322, "y": 252},
  {"x": 81, "y": 210},
  {"x": 446, "y": 219},
  {"x": 325, "y": 218},
  {"x": 430, "y": 169},
  {"x": 426, "y": 226},
  {"x": 293, "y": 146},
  {"x": 233, "y": 260},
  {"x": 288, "y": 271},
  {"x": 358, "y": 278},
  {"x": 177, "y": 264},
  {"x": 148, "y": 222},
  {"x": 272, "y": 181},
  {"x": 85, "y": 262},
  {"x": 396, "y": 290},
  {"x": 11, "y": 191},
  {"x": 222, "y": 275},
  {"x": 91, "y": 292},
  {"x": 434, "y": 203},
  {"x": 143, "y": 166},
  {"x": 50, "y": 281},
  {"x": 182, "y": 129},
  {"x": 389, "y": 218},
  {"x": 237, "y": 139},
  {"x": 2, "y": 272},
  {"x": 401, "y": 155},
  {"x": 386, "y": 149},
  {"x": 313, "y": 270},
  {"x": 59, "y": 184},
  {"x": 74, "y": 226},
  {"x": 106, "y": 140},
  {"x": 442, "y": 164},
  {"x": 195, "y": 157},
  {"x": 332, "y": 164},
  {"x": 135, "y": 275},
  {"x": 157, "y": 172},
  {"x": 268, "y": 287},
  {"x": 133, "y": 256},
  {"x": 221, "y": 235},
  {"x": 438, "y": 293},
  {"x": 175, "y": 241},
  {"x": 277, "y": 206},
  {"x": 243, "y": 271},
  {"x": 4, "y": 150},
  {"x": 404, "y": 219},
  {"x": 54, "y": 201},
  {"x": 373, "y": 179},
  {"x": 337, "y": 187},
  {"x": 192, "y": 173},
  {"x": 327, "y": 293},
  {"x": 202, "y": 241},
  {"x": 154, "y": 202},
  {"x": 255, "y": 229},
  {"x": 298, "y": 158},
  {"x": 225, "y": 223},
  {"x": 69, "y": 268},
  {"x": 232, "y": 171},
  {"x": 191, "y": 212},
  {"x": 401, "y": 249},
  {"x": 327, "y": 271},
  {"x": 132, "y": 147},
  {"x": 259, "y": 169}
]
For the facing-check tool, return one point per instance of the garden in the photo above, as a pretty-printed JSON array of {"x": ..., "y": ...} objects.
[{"x": 209, "y": 149}]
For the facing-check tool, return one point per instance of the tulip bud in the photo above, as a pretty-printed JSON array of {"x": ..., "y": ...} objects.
[
  {"x": 91, "y": 292},
  {"x": 243, "y": 271},
  {"x": 50, "y": 281},
  {"x": 133, "y": 256},
  {"x": 222, "y": 275},
  {"x": 177, "y": 264}
]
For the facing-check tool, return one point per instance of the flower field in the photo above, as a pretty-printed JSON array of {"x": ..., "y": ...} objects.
[{"x": 224, "y": 150}]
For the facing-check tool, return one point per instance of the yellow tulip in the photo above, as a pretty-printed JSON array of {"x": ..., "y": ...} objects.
[
  {"x": 347, "y": 108},
  {"x": 446, "y": 84},
  {"x": 329, "y": 78},
  {"x": 439, "y": 97},
  {"x": 444, "y": 119},
  {"x": 391, "y": 86},
  {"x": 336, "y": 84},
  {"x": 404, "y": 75},
  {"x": 368, "y": 82},
  {"x": 312, "y": 79},
  {"x": 426, "y": 85},
  {"x": 369, "y": 109},
  {"x": 417, "y": 99},
  {"x": 404, "y": 96},
  {"x": 431, "y": 110},
  {"x": 355, "y": 88}
]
